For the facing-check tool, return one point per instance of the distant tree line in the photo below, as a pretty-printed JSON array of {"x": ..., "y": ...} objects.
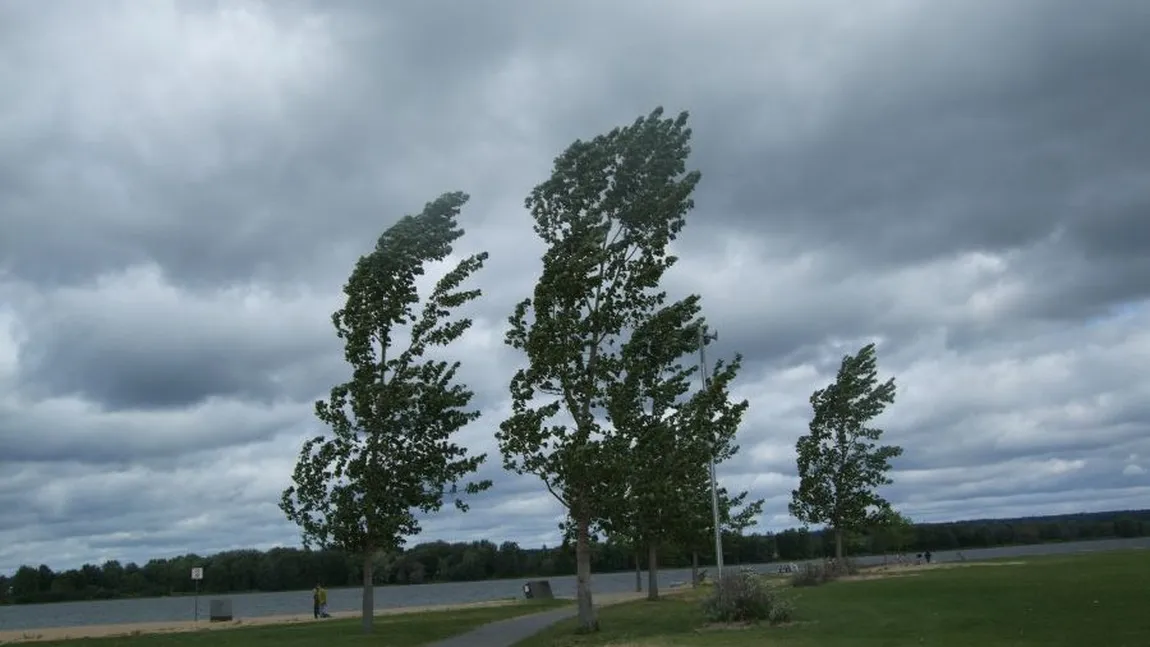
[{"x": 286, "y": 569}]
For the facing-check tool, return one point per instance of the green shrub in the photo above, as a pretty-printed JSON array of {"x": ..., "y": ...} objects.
[
  {"x": 816, "y": 573},
  {"x": 744, "y": 597}
]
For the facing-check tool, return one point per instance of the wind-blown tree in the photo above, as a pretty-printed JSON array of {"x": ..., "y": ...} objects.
[
  {"x": 840, "y": 463},
  {"x": 664, "y": 438},
  {"x": 891, "y": 530},
  {"x": 390, "y": 453},
  {"x": 607, "y": 215},
  {"x": 697, "y": 527},
  {"x": 621, "y": 528}
]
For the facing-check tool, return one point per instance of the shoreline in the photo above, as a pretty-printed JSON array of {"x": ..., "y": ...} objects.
[{"x": 33, "y": 635}]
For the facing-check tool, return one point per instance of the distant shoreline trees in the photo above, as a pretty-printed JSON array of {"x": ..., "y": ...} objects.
[{"x": 293, "y": 569}]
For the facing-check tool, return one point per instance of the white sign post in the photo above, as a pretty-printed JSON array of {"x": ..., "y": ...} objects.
[{"x": 197, "y": 575}]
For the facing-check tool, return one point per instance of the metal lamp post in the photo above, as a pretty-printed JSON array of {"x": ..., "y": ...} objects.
[{"x": 704, "y": 337}]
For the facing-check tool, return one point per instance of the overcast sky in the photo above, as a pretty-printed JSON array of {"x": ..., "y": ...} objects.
[{"x": 184, "y": 187}]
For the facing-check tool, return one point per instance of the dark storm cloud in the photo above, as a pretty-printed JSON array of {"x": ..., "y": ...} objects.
[
  {"x": 184, "y": 188},
  {"x": 979, "y": 127},
  {"x": 228, "y": 193},
  {"x": 71, "y": 432},
  {"x": 134, "y": 343}
]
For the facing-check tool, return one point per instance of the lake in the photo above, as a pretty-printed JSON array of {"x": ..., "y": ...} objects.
[{"x": 250, "y": 605}]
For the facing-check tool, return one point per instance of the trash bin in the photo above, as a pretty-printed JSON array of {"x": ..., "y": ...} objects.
[{"x": 220, "y": 610}]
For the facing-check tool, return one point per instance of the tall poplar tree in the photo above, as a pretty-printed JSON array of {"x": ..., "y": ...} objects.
[
  {"x": 696, "y": 531},
  {"x": 390, "y": 453},
  {"x": 607, "y": 215},
  {"x": 841, "y": 464},
  {"x": 666, "y": 432}
]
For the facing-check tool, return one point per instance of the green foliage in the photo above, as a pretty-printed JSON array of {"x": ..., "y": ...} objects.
[
  {"x": 736, "y": 514},
  {"x": 607, "y": 215},
  {"x": 664, "y": 439},
  {"x": 745, "y": 597},
  {"x": 890, "y": 530},
  {"x": 840, "y": 462},
  {"x": 390, "y": 453}
]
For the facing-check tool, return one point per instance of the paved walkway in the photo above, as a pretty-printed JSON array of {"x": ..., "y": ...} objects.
[{"x": 505, "y": 633}]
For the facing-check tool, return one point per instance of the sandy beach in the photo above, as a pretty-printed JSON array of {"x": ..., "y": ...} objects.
[
  {"x": 104, "y": 631},
  {"x": 110, "y": 630}
]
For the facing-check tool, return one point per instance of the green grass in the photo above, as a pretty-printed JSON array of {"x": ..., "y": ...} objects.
[
  {"x": 1094, "y": 600},
  {"x": 392, "y": 630}
]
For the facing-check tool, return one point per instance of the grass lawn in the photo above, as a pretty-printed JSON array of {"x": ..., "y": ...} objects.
[
  {"x": 1086, "y": 600},
  {"x": 392, "y": 630}
]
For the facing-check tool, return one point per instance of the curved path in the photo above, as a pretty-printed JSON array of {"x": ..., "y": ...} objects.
[{"x": 505, "y": 633}]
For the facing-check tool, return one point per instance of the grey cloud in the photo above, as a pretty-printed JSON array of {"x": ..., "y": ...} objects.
[
  {"x": 962, "y": 181},
  {"x": 341, "y": 157},
  {"x": 1015, "y": 126},
  {"x": 132, "y": 342},
  {"x": 72, "y": 431}
]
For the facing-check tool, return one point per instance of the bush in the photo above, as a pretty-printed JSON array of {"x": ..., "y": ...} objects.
[
  {"x": 816, "y": 573},
  {"x": 744, "y": 597}
]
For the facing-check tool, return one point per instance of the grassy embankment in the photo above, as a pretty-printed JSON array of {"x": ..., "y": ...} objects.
[
  {"x": 396, "y": 629},
  {"x": 1086, "y": 600}
]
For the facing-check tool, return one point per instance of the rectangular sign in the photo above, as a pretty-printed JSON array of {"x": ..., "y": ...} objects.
[{"x": 198, "y": 573}]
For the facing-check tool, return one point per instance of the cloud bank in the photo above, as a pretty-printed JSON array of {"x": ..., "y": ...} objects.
[{"x": 185, "y": 186}]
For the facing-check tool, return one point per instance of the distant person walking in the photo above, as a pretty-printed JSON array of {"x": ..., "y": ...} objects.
[{"x": 319, "y": 601}]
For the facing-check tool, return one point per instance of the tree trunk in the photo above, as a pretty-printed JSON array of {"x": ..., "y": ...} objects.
[
  {"x": 638, "y": 574},
  {"x": 652, "y": 573},
  {"x": 368, "y": 593},
  {"x": 694, "y": 568},
  {"x": 838, "y": 544},
  {"x": 587, "y": 621}
]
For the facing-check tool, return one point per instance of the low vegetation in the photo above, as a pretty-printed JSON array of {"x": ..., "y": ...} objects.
[
  {"x": 394, "y": 630},
  {"x": 1086, "y": 599},
  {"x": 816, "y": 573},
  {"x": 745, "y": 597}
]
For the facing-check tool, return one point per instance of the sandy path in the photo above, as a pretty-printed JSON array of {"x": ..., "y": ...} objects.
[{"x": 104, "y": 631}]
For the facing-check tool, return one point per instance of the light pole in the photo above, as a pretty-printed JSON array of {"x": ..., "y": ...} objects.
[{"x": 704, "y": 337}]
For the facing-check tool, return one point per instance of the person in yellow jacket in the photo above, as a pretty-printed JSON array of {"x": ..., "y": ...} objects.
[
  {"x": 323, "y": 602},
  {"x": 319, "y": 601}
]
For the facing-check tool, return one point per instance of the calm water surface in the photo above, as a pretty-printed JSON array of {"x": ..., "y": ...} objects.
[{"x": 251, "y": 605}]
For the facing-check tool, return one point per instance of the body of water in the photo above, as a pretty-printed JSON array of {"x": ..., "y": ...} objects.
[{"x": 250, "y": 605}]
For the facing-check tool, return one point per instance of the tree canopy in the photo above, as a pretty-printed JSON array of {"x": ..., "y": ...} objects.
[
  {"x": 607, "y": 215},
  {"x": 391, "y": 453},
  {"x": 664, "y": 438},
  {"x": 841, "y": 464}
]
